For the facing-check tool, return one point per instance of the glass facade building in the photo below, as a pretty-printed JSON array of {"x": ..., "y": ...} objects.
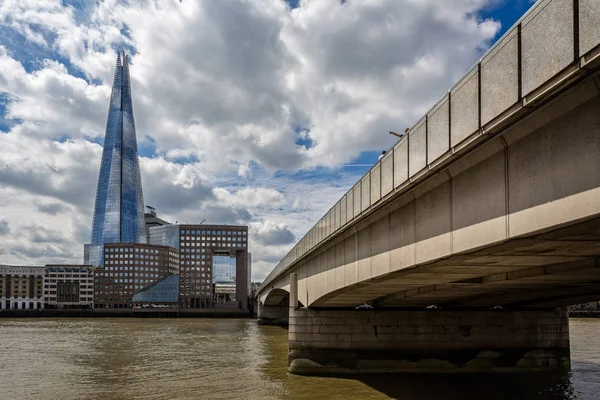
[
  {"x": 163, "y": 291},
  {"x": 119, "y": 208}
]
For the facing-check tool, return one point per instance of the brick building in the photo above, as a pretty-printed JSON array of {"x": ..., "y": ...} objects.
[
  {"x": 199, "y": 247},
  {"x": 131, "y": 269}
]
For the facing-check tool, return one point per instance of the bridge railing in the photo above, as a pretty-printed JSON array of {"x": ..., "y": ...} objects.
[{"x": 545, "y": 48}]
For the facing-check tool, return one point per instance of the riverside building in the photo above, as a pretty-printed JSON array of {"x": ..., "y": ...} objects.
[
  {"x": 208, "y": 254},
  {"x": 21, "y": 288},
  {"x": 135, "y": 274},
  {"x": 69, "y": 286}
]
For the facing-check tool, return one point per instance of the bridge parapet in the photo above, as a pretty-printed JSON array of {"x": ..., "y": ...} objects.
[{"x": 555, "y": 44}]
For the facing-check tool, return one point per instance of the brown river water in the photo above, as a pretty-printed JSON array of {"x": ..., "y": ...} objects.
[{"x": 236, "y": 359}]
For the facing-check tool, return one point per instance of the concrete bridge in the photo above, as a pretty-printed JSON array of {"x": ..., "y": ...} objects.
[{"x": 471, "y": 234}]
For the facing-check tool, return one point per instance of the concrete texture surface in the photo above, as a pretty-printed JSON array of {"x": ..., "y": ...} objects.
[
  {"x": 365, "y": 198},
  {"x": 589, "y": 21},
  {"x": 465, "y": 108},
  {"x": 376, "y": 184},
  {"x": 500, "y": 78},
  {"x": 547, "y": 40},
  {"x": 401, "y": 163},
  {"x": 387, "y": 174},
  {"x": 417, "y": 149},
  {"x": 438, "y": 131}
]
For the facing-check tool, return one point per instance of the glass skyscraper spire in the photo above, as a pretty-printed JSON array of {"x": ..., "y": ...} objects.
[{"x": 119, "y": 209}]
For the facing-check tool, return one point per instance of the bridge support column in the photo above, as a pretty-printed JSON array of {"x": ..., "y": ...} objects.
[
  {"x": 325, "y": 342},
  {"x": 273, "y": 315}
]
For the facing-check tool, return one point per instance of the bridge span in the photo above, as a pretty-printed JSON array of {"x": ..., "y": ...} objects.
[{"x": 473, "y": 232}]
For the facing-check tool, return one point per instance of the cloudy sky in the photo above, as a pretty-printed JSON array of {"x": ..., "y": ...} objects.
[{"x": 258, "y": 112}]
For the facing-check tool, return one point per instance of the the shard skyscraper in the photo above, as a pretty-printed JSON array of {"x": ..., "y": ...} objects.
[{"x": 119, "y": 209}]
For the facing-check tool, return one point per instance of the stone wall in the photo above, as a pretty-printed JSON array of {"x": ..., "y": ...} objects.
[{"x": 369, "y": 341}]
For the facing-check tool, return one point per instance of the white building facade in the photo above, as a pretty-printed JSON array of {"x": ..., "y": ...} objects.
[{"x": 69, "y": 286}]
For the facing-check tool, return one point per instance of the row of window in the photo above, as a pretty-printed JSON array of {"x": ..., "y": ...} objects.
[
  {"x": 193, "y": 275},
  {"x": 195, "y": 262},
  {"x": 117, "y": 274},
  {"x": 130, "y": 268},
  {"x": 212, "y": 238},
  {"x": 186, "y": 269},
  {"x": 194, "y": 256},
  {"x": 142, "y": 256},
  {"x": 129, "y": 280},
  {"x": 196, "y": 287},
  {"x": 230, "y": 233},
  {"x": 81, "y": 300},
  {"x": 210, "y": 244},
  {"x": 113, "y": 293},
  {"x": 129, "y": 250},
  {"x": 80, "y": 286},
  {"x": 53, "y": 292},
  {"x": 136, "y": 262}
]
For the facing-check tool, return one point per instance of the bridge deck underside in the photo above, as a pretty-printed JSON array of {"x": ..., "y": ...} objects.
[{"x": 557, "y": 268}]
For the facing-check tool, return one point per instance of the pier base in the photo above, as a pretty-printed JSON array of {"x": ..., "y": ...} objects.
[
  {"x": 331, "y": 342},
  {"x": 273, "y": 315}
]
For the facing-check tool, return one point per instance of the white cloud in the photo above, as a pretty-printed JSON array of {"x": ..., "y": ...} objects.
[
  {"x": 250, "y": 197},
  {"x": 271, "y": 233},
  {"x": 225, "y": 90}
]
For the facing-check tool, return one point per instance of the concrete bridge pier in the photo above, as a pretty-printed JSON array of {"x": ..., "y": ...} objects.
[
  {"x": 341, "y": 341},
  {"x": 273, "y": 314}
]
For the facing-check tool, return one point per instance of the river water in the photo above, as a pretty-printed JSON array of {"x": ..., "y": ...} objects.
[{"x": 235, "y": 359}]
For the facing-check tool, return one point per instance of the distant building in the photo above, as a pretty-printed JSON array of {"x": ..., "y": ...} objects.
[
  {"x": 207, "y": 253},
  {"x": 21, "y": 288},
  {"x": 151, "y": 220},
  {"x": 136, "y": 273},
  {"x": 224, "y": 293},
  {"x": 249, "y": 273},
  {"x": 69, "y": 286},
  {"x": 119, "y": 207}
]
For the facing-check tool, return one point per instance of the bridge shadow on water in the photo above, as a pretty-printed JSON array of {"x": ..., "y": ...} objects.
[{"x": 493, "y": 386}]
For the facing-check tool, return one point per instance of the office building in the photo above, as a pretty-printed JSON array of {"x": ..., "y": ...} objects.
[
  {"x": 150, "y": 220},
  {"x": 21, "y": 288},
  {"x": 69, "y": 286},
  {"x": 119, "y": 207},
  {"x": 136, "y": 273},
  {"x": 207, "y": 254},
  {"x": 224, "y": 293}
]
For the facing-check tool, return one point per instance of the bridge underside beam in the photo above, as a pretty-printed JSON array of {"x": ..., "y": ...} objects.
[
  {"x": 516, "y": 289},
  {"x": 564, "y": 262},
  {"x": 325, "y": 342}
]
